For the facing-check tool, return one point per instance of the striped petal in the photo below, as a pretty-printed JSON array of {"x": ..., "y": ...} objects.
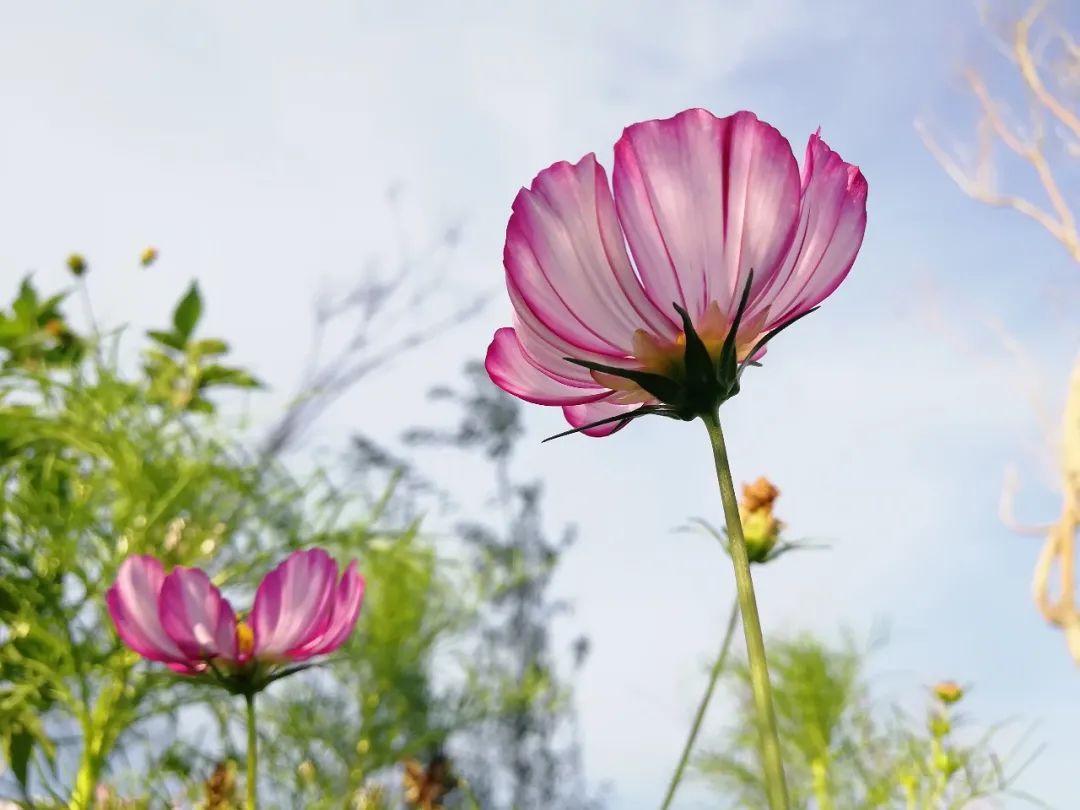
[
  {"x": 566, "y": 258},
  {"x": 341, "y": 619},
  {"x": 831, "y": 227},
  {"x": 132, "y": 602},
  {"x": 197, "y": 617},
  {"x": 703, "y": 201},
  {"x": 292, "y": 604},
  {"x": 516, "y": 373}
]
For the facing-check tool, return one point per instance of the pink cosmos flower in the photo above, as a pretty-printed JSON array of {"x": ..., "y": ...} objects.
[
  {"x": 704, "y": 204},
  {"x": 182, "y": 620}
]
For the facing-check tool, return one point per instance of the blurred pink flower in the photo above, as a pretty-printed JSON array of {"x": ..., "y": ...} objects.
[
  {"x": 701, "y": 202},
  {"x": 182, "y": 620}
]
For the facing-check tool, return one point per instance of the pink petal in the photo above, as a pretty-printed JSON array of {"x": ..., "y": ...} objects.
[
  {"x": 292, "y": 603},
  {"x": 578, "y": 415},
  {"x": 566, "y": 258},
  {"x": 831, "y": 228},
  {"x": 514, "y": 372},
  {"x": 197, "y": 617},
  {"x": 344, "y": 611},
  {"x": 132, "y": 602},
  {"x": 703, "y": 200}
]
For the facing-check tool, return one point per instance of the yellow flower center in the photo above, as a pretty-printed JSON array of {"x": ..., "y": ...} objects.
[{"x": 245, "y": 638}]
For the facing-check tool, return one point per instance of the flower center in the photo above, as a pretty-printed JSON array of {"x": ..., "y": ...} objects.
[{"x": 245, "y": 638}]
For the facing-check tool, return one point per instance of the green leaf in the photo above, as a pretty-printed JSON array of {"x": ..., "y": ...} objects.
[
  {"x": 20, "y": 747},
  {"x": 226, "y": 375},
  {"x": 188, "y": 312},
  {"x": 209, "y": 347},
  {"x": 26, "y": 304},
  {"x": 170, "y": 339},
  {"x": 200, "y": 405}
]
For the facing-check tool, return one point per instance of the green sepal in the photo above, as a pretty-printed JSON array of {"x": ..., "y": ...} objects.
[
  {"x": 644, "y": 410},
  {"x": 727, "y": 363},
  {"x": 700, "y": 373},
  {"x": 661, "y": 387}
]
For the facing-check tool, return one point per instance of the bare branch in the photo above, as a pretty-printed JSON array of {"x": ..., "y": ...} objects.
[
  {"x": 1058, "y": 554},
  {"x": 1030, "y": 72}
]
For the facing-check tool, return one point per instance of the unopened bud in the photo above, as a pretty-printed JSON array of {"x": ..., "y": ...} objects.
[
  {"x": 948, "y": 692},
  {"x": 76, "y": 264},
  {"x": 148, "y": 256},
  {"x": 762, "y": 531}
]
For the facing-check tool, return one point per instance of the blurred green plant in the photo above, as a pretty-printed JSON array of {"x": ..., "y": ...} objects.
[
  {"x": 844, "y": 752},
  {"x": 97, "y": 463}
]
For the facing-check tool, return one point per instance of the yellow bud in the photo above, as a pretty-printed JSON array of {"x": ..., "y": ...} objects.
[
  {"x": 948, "y": 692},
  {"x": 306, "y": 770},
  {"x": 148, "y": 256},
  {"x": 76, "y": 264}
]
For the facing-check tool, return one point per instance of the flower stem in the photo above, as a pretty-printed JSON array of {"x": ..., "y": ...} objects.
[
  {"x": 252, "y": 753},
  {"x": 772, "y": 761},
  {"x": 714, "y": 676}
]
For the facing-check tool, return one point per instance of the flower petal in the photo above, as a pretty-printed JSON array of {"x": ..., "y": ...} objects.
[
  {"x": 132, "y": 602},
  {"x": 703, "y": 201},
  {"x": 578, "y": 415},
  {"x": 292, "y": 604},
  {"x": 831, "y": 228},
  {"x": 344, "y": 611},
  {"x": 516, "y": 373},
  {"x": 566, "y": 258},
  {"x": 198, "y": 619}
]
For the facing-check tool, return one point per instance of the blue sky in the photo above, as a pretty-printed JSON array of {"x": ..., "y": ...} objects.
[{"x": 253, "y": 144}]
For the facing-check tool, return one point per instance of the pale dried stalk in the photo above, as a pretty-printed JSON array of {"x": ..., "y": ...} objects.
[{"x": 1058, "y": 553}]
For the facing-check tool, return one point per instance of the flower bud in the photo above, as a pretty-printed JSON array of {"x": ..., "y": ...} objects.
[
  {"x": 948, "y": 692},
  {"x": 762, "y": 531},
  {"x": 148, "y": 256},
  {"x": 77, "y": 264}
]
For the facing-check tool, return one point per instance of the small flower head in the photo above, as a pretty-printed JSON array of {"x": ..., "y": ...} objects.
[
  {"x": 181, "y": 619},
  {"x": 148, "y": 256},
  {"x": 652, "y": 295},
  {"x": 220, "y": 787},
  {"x": 77, "y": 265},
  {"x": 948, "y": 692},
  {"x": 425, "y": 786},
  {"x": 760, "y": 527}
]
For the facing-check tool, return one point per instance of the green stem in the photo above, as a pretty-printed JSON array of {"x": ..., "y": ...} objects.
[
  {"x": 772, "y": 761},
  {"x": 714, "y": 676},
  {"x": 252, "y": 753}
]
